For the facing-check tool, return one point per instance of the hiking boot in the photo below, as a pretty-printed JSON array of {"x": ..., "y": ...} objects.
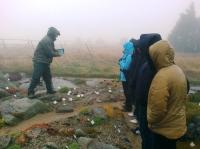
[
  {"x": 31, "y": 95},
  {"x": 136, "y": 131},
  {"x": 126, "y": 109}
]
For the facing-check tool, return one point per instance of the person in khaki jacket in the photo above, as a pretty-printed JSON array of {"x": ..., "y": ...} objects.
[{"x": 167, "y": 98}]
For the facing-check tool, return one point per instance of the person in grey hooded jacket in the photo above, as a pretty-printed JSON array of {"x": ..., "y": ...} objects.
[{"x": 43, "y": 57}]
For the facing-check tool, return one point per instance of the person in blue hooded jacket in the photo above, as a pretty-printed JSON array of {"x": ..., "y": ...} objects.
[{"x": 124, "y": 64}]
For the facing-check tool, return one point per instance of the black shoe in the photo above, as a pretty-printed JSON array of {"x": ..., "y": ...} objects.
[
  {"x": 31, "y": 95},
  {"x": 136, "y": 131},
  {"x": 51, "y": 92},
  {"x": 126, "y": 109}
]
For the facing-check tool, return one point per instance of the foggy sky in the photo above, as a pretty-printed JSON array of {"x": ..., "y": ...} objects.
[{"x": 110, "y": 20}]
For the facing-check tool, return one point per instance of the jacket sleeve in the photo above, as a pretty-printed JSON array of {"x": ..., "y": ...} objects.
[
  {"x": 125, "y": 62},
  {"x": 157, "y": 100},
  {"x": 49, "y": 49}
]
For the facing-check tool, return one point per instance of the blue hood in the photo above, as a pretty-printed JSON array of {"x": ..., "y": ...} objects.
[{"x": 128, "y": 48}]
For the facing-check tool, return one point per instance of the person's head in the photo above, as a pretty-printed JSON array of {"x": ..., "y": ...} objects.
[
  {"x": 53, "y": 33},
  {"x": 135, "y": 42},
  {"x": 146, "y": 40},
  {"x": 162, "y": 54}
]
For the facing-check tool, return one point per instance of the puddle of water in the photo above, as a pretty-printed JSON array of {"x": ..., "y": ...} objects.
[
  {"x": 92, "y": 83},
  {"x": 59, "y": 82},
  {"x": 194, "y": 89}
]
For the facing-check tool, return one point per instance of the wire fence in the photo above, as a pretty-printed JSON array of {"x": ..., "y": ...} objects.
[{"x": 80, "y": 57}]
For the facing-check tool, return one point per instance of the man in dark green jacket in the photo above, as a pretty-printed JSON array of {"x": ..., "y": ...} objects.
[{"x": 43, "y": 57}]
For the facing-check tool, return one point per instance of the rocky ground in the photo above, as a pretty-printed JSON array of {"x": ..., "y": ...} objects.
[{"x": 83, "y": 114}]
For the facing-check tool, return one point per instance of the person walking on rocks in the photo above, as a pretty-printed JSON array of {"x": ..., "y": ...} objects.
[{"x": 43, "y": 57}]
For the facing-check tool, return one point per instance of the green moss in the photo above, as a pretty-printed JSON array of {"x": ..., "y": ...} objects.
[
  {"x": 98, "y": 121},
  {"x": 192, "y": 110},
  {"x": 15, "y": 134},
  {"x": 63, "y": 90},
  {"x": 195, "y": 82},
  {"x": 74, "y": 145},
  {"x": 2, "y": 122},
  {"x": 15, "y": 146},
  {"x": 85, "y": 111},
  {"x": 195, "y": 97}
]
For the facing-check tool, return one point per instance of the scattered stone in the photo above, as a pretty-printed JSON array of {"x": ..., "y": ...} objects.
[
  {"x": 92, "y": 83},
  {"x": 97, "y": 93},
  {"x": 67, "y": 132},
  {"x": 70, "y": 99},
  {"x": 100, "y": 145},
  {"x": 55, "y": 102},
  {"x": 64, "y": 109},
  {"x": 3, "y": 93},
  {"x": 84, "y": 142},
  {"x": 69, "y": 93},
  {"x": 22, "y": 139},
  {"x": 10, "y": 119},
  {"x": 33, "y": 133},
  {"x": 15, "y": 110},
  {"x": 99, "y": 112},
  {"x": 15, "y": 76},
  {"x": 99, "y": 101},
  {"x": 192, "y": 144},
  {"x": 58, "y": 83},
  {"x": 92, "y": 122},
  {"x": 80, "y": 133},
  {"x": 4, "y": 141},
  {"x": 110, "y": 91},
  {"x": 64, "y": 101},
  {"x": 50, "y": 145},
  {"x": 24, "y": 85}
]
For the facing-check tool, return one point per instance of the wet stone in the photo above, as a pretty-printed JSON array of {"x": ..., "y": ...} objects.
[
  {"x": 80, "y": 133},
  {"x": 64, "y": 109},
  {"x": 4, "y": 141},
  {"x": 50, "y": 145},
  {"x": 99, "y": 112}
]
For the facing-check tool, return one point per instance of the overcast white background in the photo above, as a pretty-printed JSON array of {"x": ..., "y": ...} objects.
[{"x": 110, "y": 20}]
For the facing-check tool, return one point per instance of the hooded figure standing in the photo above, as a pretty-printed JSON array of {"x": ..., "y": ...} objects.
[
  {"x": 145, "y": 75},
  {"x": 124, "y": 64},
  {"x": 43, "y": 57},
  {"x": 166, "y": 113}
]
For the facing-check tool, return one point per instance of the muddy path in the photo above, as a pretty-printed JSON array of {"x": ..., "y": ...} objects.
[{"x": 50, "y": 117}]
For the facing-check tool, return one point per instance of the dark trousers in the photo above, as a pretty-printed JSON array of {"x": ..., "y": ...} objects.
[
  {"x": 41, "y": 70},
  {"x": 146, "y": 134},
  {"x": 161, "y": 142},
  {"x": 128, "y": 103}
]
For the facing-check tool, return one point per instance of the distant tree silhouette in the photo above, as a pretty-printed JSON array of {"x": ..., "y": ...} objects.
[{"x": 185, "y": 36}]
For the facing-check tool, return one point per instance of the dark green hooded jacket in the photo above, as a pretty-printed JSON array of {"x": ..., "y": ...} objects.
[{"x": 45, "y": 50}]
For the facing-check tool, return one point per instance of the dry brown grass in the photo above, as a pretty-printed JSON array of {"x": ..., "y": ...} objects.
[
  {"x": 190, "y": 63},
  {"x": 94, "y": 62}
]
